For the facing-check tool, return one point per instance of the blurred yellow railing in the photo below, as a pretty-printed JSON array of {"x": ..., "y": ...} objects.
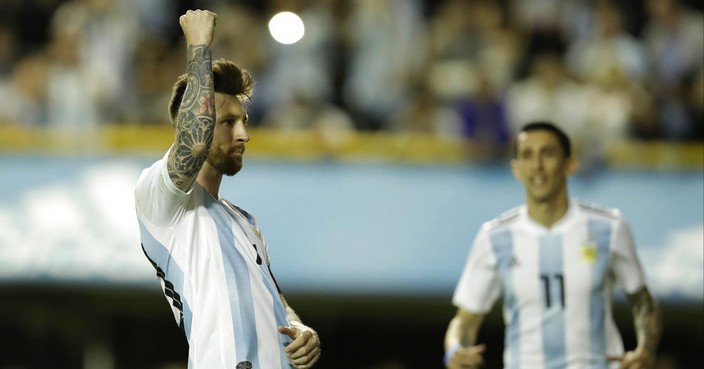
[{"x": 315, "y": 145}]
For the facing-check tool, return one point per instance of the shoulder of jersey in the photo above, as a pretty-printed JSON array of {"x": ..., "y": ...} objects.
[
  {"x": 250, "y": 217},
  {"x": 245, "y": 213},
  {"x": 597, "y": 209},
  {"x": 504, "y": 219}
]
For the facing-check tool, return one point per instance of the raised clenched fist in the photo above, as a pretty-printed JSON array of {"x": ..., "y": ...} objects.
[{"x": 198, "y": 26}]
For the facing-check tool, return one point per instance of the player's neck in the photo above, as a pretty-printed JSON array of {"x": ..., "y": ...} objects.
[
  {"x": 210, "y": 179},
  {"x": 549, "y": 212}
]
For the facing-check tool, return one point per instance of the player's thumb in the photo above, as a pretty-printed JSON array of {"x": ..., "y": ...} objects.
[
  {"x": 478, "y": 349},
  {"x": 182, "y": 21},
  {"x": 291, "y": 332}
]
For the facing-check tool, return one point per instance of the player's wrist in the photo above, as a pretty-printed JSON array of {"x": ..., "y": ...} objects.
[
  {"x": 198, "y": 41},
  {"x": 647, "y": 355},
  {"x": 297, "y": 324},
  {"x": 449, "y": 352}
]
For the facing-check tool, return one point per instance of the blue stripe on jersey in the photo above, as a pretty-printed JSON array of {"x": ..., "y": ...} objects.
[
  {"x": 272, "y": 288},
  {"x": 600, "y": 233},
  {"x": 552, "y": 286},
  {"x": 270, "y": 282},
  {"x": 173, "y": 275},
  {"x": 237, "y": 272},
  {"x": 502, "y": 244},
  {"x": 280, "y": 313}
]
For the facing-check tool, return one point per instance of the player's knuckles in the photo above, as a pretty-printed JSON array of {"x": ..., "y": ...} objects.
[
  {"x": 308, "y": 362},
  {"x": 313, "y": 355},
  {"x": 293, "y": 353},
  {"x": 298, "y": 360},
  {"x": 306, "y": 357},
  {"x": 303, "y": 361},
  {"x": 312, "y": 343},
  {"x": 298, "y": 342},
  {"x": 193, "y": 16},
  {"x": 299, "y": 353},
  {"x": 305, "y": 334}
]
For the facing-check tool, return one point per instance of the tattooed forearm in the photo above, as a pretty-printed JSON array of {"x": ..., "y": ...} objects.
[
  {"x": 195, "y": 121},
  {"x": 646, "y": 316}
]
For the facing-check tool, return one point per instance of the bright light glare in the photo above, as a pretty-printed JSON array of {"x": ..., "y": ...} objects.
[{"x": 286, "y": 28}]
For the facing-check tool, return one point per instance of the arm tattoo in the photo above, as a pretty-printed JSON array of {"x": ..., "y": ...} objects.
[
  {"x": 195, "y": 121},
  {"x": 646, "y": 317}
]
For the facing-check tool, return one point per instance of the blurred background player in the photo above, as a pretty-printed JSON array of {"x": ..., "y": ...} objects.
[{"x": 555, "y": 261}]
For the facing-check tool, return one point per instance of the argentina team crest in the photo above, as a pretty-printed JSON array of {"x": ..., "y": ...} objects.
[
  {"x": 588, "y": 250},
  {"x": 244, "y": 365}
]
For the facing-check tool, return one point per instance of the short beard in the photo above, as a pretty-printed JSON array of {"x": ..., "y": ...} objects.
[{"x": 224, "y": 163}]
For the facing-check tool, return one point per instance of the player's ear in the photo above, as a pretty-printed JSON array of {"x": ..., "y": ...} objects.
[
  {"x": 514, "y": 169},
  {"x": 572, "y": 165}
]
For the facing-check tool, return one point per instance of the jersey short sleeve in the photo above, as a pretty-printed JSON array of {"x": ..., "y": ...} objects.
[
  {"x": 479, "y": 286},
  {"x": 157, "y": 199},
  {"x": 625, "y": 265}
]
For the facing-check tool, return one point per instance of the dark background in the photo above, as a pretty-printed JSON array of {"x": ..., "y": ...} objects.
[{"x": 49, "y": 327}]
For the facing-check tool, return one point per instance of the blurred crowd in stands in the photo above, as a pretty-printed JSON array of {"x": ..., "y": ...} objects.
[{"x": 471, "y": 69}]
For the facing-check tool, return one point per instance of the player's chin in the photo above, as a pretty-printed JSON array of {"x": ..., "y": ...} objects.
[
  {"x": 540, "y": 193},
  {"x": 231, "y": 168},
  {"x": 231, "y": 172}
]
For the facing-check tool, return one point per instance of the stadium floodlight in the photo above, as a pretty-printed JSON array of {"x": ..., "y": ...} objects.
[{"x": 286, "y": 27}]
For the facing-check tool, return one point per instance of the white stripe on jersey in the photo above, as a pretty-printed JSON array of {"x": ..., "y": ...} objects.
[{"x": 556, "y": 285}]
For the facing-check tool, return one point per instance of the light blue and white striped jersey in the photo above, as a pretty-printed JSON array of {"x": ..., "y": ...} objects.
[
  {"x": 213, "y": 266},
  {"x": 556, "y": 284}
]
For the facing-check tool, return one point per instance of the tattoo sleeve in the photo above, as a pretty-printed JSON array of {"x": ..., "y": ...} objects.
[
  {"x": 646, "y": 317},
  {"x": 195, "y": 122}
]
